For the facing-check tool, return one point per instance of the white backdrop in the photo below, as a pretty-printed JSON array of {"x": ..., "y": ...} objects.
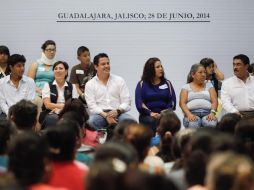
[{"x": 178, "y": 42}]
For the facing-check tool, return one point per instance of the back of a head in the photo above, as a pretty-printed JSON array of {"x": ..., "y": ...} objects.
[
  {"x": 24, "y": 114},
  {"x": 27, "y": 156},
  {"x": 6, "y": 131},
  {"x": 168, "y": 122},
  {"x": 181, "y": 141},
  {"x": 228, "y": 122},
  {"x": 123, "y": 151},
  {"x": 76, "y": 106},
  {"x": 139, "y": 136},
  {"x": 62, "y": 140},
  {"x": 106, "y": 174},
  {"x": 229, "y": 171},
  {"x": 244, "y": 130},
  {"x": 209, "y": 140},
  {"x": 118, "y": 133}
]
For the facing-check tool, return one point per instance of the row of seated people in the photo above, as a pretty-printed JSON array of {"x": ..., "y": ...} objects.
[
  {"x": 107, "y": 95},
  {"x": 202, "y": 158}
]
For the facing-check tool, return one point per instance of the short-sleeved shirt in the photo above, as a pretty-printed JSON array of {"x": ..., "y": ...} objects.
[
  {"x": 198, "y": 99},
  {"x": 80, "y": 76}
]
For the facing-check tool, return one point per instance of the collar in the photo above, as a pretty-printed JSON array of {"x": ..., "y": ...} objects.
[
  {"x": 55, "y": 83},
  {"x": 23, "y": 79}
]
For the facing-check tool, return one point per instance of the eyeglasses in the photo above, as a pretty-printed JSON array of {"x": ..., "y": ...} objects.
[{"x": 52, "y": 50}]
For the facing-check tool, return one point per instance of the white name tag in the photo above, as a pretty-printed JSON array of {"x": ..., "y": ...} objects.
[
  {"x": 41, "y": 69},
  {"x": 79, "y": 72},
  {"x": 164, "y": 86}
]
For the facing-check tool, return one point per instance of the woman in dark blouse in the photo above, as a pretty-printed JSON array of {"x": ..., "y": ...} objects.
[{"x": 154, "y": 93}]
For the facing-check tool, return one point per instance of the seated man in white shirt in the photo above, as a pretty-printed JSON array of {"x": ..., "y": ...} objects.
[
  {"x": 107, "y": 96},
  {"x": 16, "y": 86},
  {"x": 237, "y": 92}
]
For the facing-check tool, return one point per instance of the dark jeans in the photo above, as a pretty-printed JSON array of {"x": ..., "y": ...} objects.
[{"x": 149, "y": 121}]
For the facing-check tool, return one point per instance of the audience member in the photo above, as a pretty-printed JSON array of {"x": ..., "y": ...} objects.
[
  {"x": 169, "y": 125},
  {"x": 24, "y": 114},
  {"x": 82, "y": 72},
  {"x": 213, "y": 74},
  {"x": 244, "y": 130},
  {"x": 7, "y": 130},
  {"x": 228, "y": 122},
  {"x": 227, "y": 171},
  {"x": 42, "y": 69},
  {"x": 55, "y": 94},
  {"x": 107, "y": 96},
  {"x": 16, "y": 86},
  {"x": 4, "y": 55},
  {"x": 65, "y": 171},
  {"x": 28, "y": 162},
  {"x": 237, "y": 91},
  {"x": 154, "y": 93},
  {"x": 198, "y": 100}
]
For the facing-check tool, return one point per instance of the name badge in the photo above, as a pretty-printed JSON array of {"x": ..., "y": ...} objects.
[
  {"x": 164, "y": 86},
  {"x": 79, "y": 72},
  {"x": 41, "y": 69}
]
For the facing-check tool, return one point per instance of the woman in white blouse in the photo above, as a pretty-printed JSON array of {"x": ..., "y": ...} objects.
[{"x": 54, "y": 94}]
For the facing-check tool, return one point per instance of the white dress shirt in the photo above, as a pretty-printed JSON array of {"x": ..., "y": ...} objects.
[
  {"x": 60, "y": 91},
  {"x": 10, "y": 95},
  {"x": 236, "y": 95},
  {"x": 114, "y": 95}
]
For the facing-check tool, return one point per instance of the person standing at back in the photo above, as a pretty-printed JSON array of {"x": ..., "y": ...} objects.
[{"x": 82, "y": 72}]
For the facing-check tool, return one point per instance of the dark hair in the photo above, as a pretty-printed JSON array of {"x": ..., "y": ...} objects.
[
  {"x": 206, "y": 62},
  {"x": 16, "y": 58},
  {"x": 251, "y": 68},
  {"x": 76, "y": 106},
  {"x": 244, "y": 58},
  {"x": 193, "y": 70},
  {"x": 24, "y": 114},
  {"x": 27, "y": 158},
  {"x": 97, "y": 58},
  {"x": 120, "y": 150},
  {"x": 4, "y": 50},
  {"x": 66, "y": 66},
  {"x": 149, "y": 70},
  {"x": 118, "y": 133},
  {"x": 169, "y": 124},
  {"x": 228, "y": 122},
  {"x": 244, "y": 130},
  {"x": 47, "y": 43},
  {"x": 139, "y": 136},
  {"x": 6, "y": 130},
  {"x": 82, "y": 49},
  {"x": 62, "y": 140}
]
